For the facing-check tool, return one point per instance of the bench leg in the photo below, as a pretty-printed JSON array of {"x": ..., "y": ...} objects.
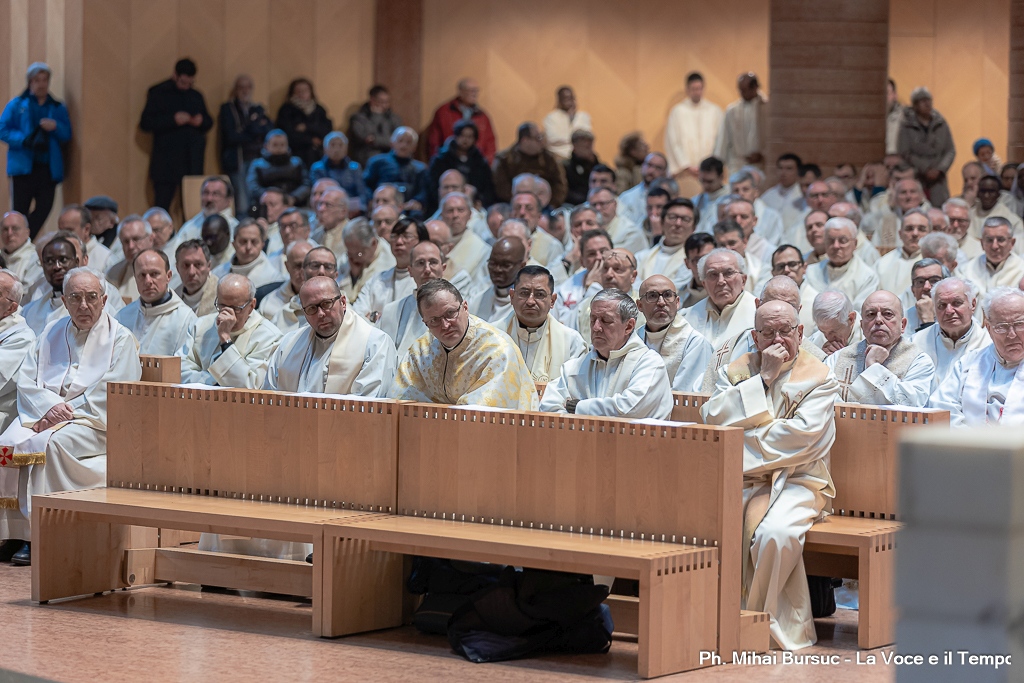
[
  {"x": 74, "y": 556},
  {"x": 362, "y": 588},
  {"x": 877, "y": 620},
  {"x": 678, "y": 613}
]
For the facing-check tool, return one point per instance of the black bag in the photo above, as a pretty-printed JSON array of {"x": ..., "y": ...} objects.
[
  {"x": 446, "y": 585},
  {"x": 823, "y": 595},
  {"x": 532, "y": 612}
]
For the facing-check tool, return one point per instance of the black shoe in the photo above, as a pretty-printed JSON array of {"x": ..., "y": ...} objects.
[
  {"x": 9, "y": 547},
  {"x": 309, "y": 558},
  {"x": 23, "y": 558}
]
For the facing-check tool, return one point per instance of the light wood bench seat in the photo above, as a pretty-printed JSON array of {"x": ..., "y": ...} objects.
[{"x": 678, "y": 604}]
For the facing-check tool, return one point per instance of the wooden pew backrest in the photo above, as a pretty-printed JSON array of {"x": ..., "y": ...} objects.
[
  {"x": 262, "y": 445},
  {"x": 162, "y": 369},
  {"x": 686, "y": 406}
]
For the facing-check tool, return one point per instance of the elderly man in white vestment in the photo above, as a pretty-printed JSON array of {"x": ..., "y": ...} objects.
[
  {"x": 394, "y": 283},
  {"x": 159, "y": 319},
  {"x": 544, "y": 342},
  {"x": 728, "y": 308},
  {"x": 955, "y": 332},
  {"x": 685, "y": 351},
  {"x": 838, "y": 323},
  {"x": 134, "y": 234},
  {"x": 366, "y": 256},
  {"x": 59, "y": 441},
  {"x": 783, "y": 399},
  {"x": 230, "y": 348},
  {"x": 843, "y": 269},
  {"x": 337, "y": 352},
  {"x": 620, "y": 376},
  {"x": 528, "y": 208},
  {"x": 668, "y": 257},
  {"x": 18, "y": 250},
  {"x": 617, "y": 270},
  {"x": 986, "y": 386},
  {"x": 249, "y": 260},
  {"x": 624, "y": 233},
  {"x": 884, "y": 368},
  {"x": 468, "y": 251},
  {"x": 16, "y": 339},
  {"x": 730, "y": 235},
  {"x": 998, "y": 266},
  {"x": 401, "y": 320},
  {"x": 295, "y": 254}
]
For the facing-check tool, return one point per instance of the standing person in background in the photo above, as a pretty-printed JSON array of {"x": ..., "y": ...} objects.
[
  {"x": 305, "y": 121},
  {"x": 743, "y": 135},
  {"x": 926, "y": 143},
  {"x": 691, "y": 130},
  {"x": 176, "y": 115},
  {"x": 35, "y": 125},
  {"x": 370, "y": 128},
  {"x": 563, "y": 121},
  {"x": 243, "y": 124},
  {"x": 463, "y": 107}
]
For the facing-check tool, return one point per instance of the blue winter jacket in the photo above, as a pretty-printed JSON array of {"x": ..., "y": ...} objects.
[{"x": 20, "y": 119}]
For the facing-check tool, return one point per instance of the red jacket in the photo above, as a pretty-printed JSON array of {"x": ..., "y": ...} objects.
[{"x": 445, "y": 118}]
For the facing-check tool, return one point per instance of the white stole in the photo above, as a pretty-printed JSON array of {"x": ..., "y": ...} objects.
[{"x": 974, "y": 399}]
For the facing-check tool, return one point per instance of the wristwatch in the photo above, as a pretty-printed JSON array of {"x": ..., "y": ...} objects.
[{"x": 224, "y": 346}]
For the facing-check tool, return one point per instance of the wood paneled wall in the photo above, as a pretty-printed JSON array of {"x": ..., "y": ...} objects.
[
  {"x": 1015, "y": 144},
  {"x": 825, "y": 103}
]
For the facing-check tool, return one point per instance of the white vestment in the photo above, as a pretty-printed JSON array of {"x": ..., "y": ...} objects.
[
  {"x": 944, "y": 352},
  {"x": 391, "y": 285},
  {"x": 491, "y": 304},
  {"x": 631, "y": 383},
  {"x": 99, "y": 254},
  {"x": 894, "y": 270},
  {"x": 685, "y": 351},
  {"x": 65, "y": 365},
  {"x": 785, "y": 200},
  {"x": 290, "y": 316},
  {"x": 558, "y": 130},
  {"x": 980, "y": 272},
  {"x": 571, "y": 294},
  {"x": 546, "y": 348},
  {"x": 667, "y": 261},
  {"x": 855, "y": 279},
  {"x": 769, "y": 223},
  {"x": 759, "y": 271},
  {"x": 242, "y": 365},
  {"x": 260, "y": 271},
  {"x": 382, "y": 261},
  {"x": 469, "y": 253},
  {"x": 690, "y": 133},
  {"x": 982, "y": 390},
  {"x": 904, "y": 379},
  {"x": 402, "y": 322},
  {"x": 273, "y": 303},
  {"x": 1000, "y": 210},
  {"x": 707, "y": 205},
  {"x": 24, "y": 262},
  {"x": 16, "y": 339},
  {"x": 160, "y": 329},
  {"x": 627, "y": 235},
  {"x": 202, "y": 302},
  {"x": 49, "y": 307},
  {"x": 717, "y": 326},
  {"x": 742, "y": 133},
  {"x": 970, "y": 246},
  {"x": 856, "y": 334},
  {"x": 733, "y": 348},
  {"x": 788, "y": 432},
  {"x": 544, "y": 248},
  {"x": 632, "y": 204},
  {"x": 122, "y": 276},
  {"x": 192, "y": 229}
]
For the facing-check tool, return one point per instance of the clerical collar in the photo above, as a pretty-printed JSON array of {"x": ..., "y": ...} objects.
[
  {"x": 655, "y": 335},
  {"x": 671, "y": 250},
  {"x": 159, "y": 302},
  {"x": 57, "y": 293},
  {"x": 452, "y": 348},
  {"x": 521, "y": 326},
  {"x": 995, "y": 268},
  {"x": 714, "y": 307},
  {"x": 501, "y": 292},
  {"x": 963, "y": 337},
  {"x": 322, "y": 338},
  {"x": 913, "y": 257},
  {"x": 1003, "y": 363},
  {"x": 838, "y": 271}
]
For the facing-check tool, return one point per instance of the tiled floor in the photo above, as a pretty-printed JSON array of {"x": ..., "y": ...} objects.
[{"x": 181, "y": 634}]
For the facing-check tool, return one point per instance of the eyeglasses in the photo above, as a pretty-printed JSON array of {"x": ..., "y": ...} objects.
[
  {"x": 781, "y": 332},
  {"x": 88, "y": 298},
  {"x": 678, "y": 218},
  {"x": 788, "y": 265},
  {"x": 922, "y": 281},
  {"x": 448, "y": 316},
  {"x": 325, "y": 305},
  {"x": 404, "y": 237},
  {"x": 316, "y": 267},
  {"x": 668, "y": 295},
  {"x": 538, "y": 294},
  {"x": 237, "y": 309},
  {"x": 1003, "y": 329}
]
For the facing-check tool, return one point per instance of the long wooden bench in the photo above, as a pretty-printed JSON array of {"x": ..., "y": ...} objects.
[
  {"x": 858, "y": 539},
  {"x": 249, "y": 463},
  {"x": 656, "y": 503}
]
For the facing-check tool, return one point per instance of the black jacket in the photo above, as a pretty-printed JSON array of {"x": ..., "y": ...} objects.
[
  {"x": 577, "y": 178},
  {"x": 318, "y": 125},
  {"x": 474, "y": 169},
  {"x": 364, "y": 124},
  {"x": 177, "y": 150},
  {"x": 287, "y": 173},
  {"x": 241, "y": 137}
]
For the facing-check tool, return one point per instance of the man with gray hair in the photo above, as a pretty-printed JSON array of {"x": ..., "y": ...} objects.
[
  {"x": 865, "y": 249},
  {"x": 231, "y": 347},
  {"x": 745, "y": 183},
  {"x": 624, "y": 233},
  {"x": 917, "y": 299},
  {"x": 18, "y": 250},
  {"x": 366, "y": 259},
  {"x": 998, "y": 266},
  {"x": 620, "y": 376},
  {"x": 838, "y": 323},
  {"x": 985, "y": 386},
  {"x": 843, "y": 269},
  {"x": 59, "y": 441},
  {"x": 276, "y": 300},
  {"x": 955, "y": 332},
  {"x": 925, "y": 142},
  {"x": 197, "y": 289},
  {"x": 398, "y": 166},
  {"x": 942, "y": 247},
  {"x": 958, "y": 217},
  {"x": 135, "y": 236},
  {"x": 468, "y": 251},
  {"x": 728, "y": 308},
  {"x": 15, "y": 341}
]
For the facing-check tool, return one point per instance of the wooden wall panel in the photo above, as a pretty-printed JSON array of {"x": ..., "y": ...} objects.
[{"x": 1016, "y": 93}]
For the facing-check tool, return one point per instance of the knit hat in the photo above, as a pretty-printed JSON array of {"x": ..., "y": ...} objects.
[
  {"x": 919, "y": 94},
  {"x": 982, "y": 142},
  {"x": 37, "y": 68}
]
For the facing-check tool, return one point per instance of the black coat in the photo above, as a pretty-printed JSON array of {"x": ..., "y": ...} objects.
[
  {"x": 318, "y": 125},
  {"x": 177, "y": 150},
  {"x": 474, "y": 169},
  {"x": 241, "y": 139}
]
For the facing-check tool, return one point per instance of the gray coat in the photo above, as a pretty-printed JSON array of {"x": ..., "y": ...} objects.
[{"x": 926, "y": 147}]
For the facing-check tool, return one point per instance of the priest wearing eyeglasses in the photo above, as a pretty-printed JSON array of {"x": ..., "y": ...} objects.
[
  {"x": 685, "y": 350},
  {"x": 462, "y": 360},
  {"x": 231, "y": 347},
  {"x": 338, "y": 352}
]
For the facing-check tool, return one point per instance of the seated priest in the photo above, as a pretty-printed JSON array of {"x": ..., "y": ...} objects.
[
  {"x": 684, "y": 350},
  {"x": 400, "y": 319},
  {"x": 394, "y": 283},
  {"x": 318, "y": 262},
  {"x": 843, "y": 269},
  {"x": 493, "y": 303},
  {"x": 463, "y": 360},
  {"x": 59, "y": 441},
  {"x": 16, "y": 339},
  {"x": 884, "y": 368},
  {"x": 134, "y": 234},
  {"x": 838, "y": 324},
  {"x": 616, "y": 269},
  {"x": 294, "y": 254},
  {"x": 778, "y": 288},
  {"x": 198, "y": 287},
  {"x": 620, "y": 376},
  {"x": 337, "y": 352},
  {"x": 986, "y": 386},
  {"x": 544, "y": 342},
  {"x": 159, "y": 319},
  {"x": 230, "y": 348},
  {"x": 249, "y": 258},
  {"x": 728, "y": 308},
  {"x": 783, "y": 399},
  {"x": 955, "y": 332}
]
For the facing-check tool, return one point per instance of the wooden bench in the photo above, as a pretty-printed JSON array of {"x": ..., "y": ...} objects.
[
  {"x": 250, "y": 463},
  {"x": 161, "y": 369},
  {"x": 857, "y": 540},
  {"x": 659, "y": 504}
]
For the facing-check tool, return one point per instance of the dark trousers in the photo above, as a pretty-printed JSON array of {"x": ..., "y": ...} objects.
[
  {"x": 39, "y": 186},
  {"x": 163, "y": 194}
]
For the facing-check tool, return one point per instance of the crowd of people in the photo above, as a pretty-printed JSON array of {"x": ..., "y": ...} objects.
[{"x": 473, "y": 278}]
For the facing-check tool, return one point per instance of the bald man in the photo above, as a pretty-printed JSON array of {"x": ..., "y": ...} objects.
[
  {"x": 508, "y": 257},
  {"x": 319, "y": 261},
  {"x": 783, "y": 399},
  {"x": 441, "y": 235},
  {"x": 272, "y": 303},
  {"x": 884, "y": 368},
  {"x": 617, "y": 271},
  {"x": 16, "y": 339},
  {"x": 685, "y": 351}
]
